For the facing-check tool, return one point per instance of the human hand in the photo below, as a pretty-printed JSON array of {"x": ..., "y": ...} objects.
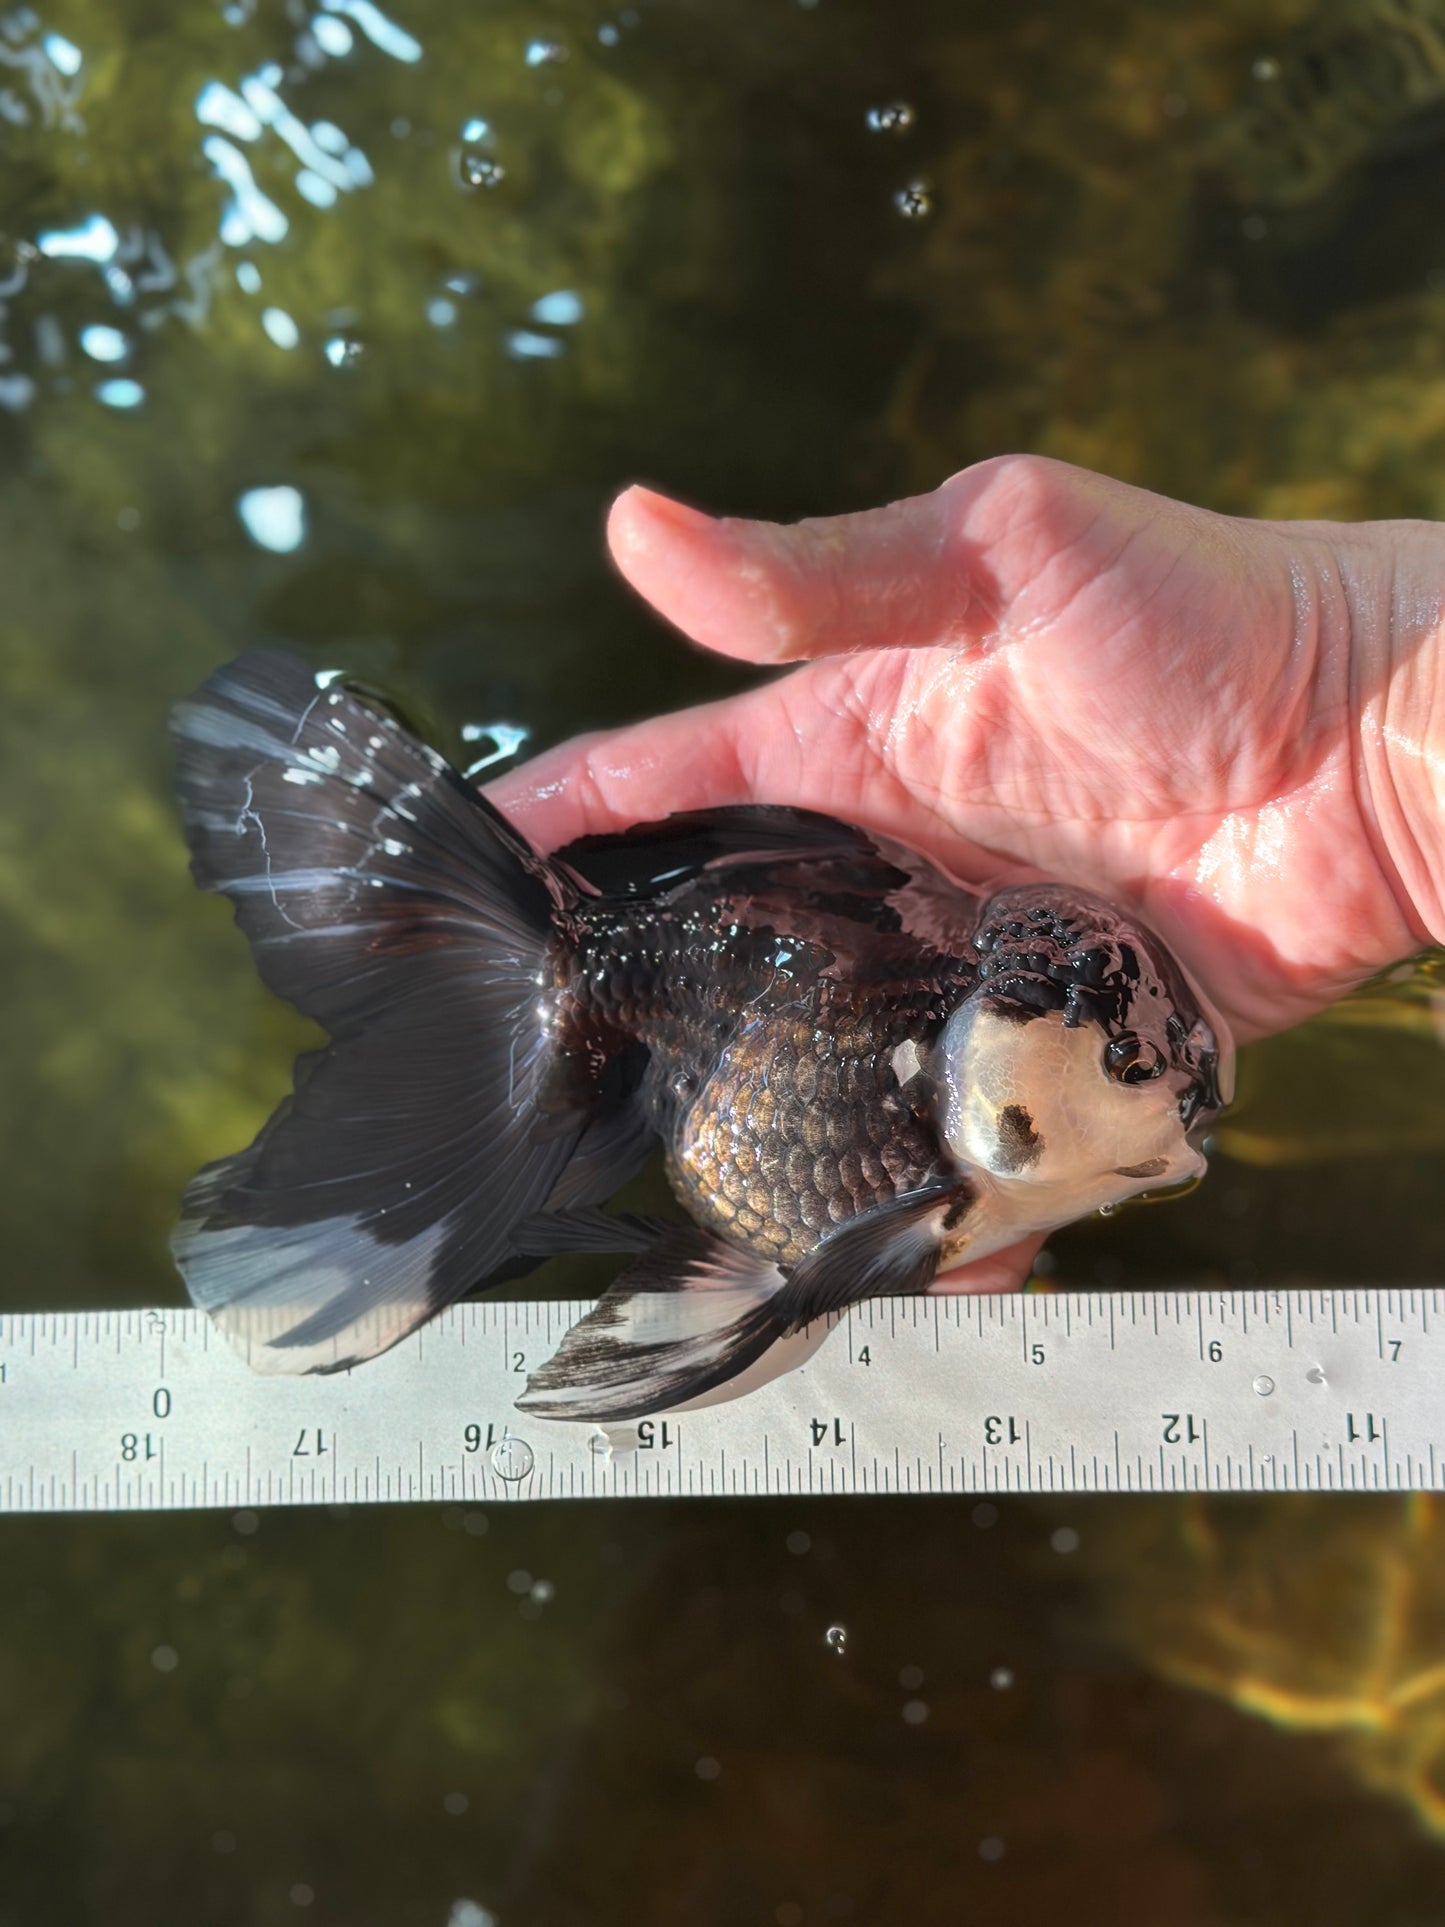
[{"x": 1035, "y": 670}]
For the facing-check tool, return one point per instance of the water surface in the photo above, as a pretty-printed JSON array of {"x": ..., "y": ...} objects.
[{"x": 339, "y": 331}]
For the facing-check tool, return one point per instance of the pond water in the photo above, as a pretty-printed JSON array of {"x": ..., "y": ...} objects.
[{"x": 338, "y": 328}]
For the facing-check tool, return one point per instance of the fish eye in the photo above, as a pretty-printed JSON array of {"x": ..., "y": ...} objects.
[{"x": 1133, "y": 1060}]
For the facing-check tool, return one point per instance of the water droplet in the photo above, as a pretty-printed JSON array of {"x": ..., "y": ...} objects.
[
  {"x": 344, "y": 351},
  {"x": 836, "y": 1640},
  {"x": 512, "y": 1459},
  {"x": 895, "y": 118},
  {"x": 1264, "y": 1385},
  {"x": 1316, "y": 1375},
  {"x": 480, "y": 170},
  {"x": 914, "y": 202}
]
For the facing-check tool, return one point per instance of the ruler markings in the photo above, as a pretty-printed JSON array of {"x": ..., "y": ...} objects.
[{"x": 116, "y": 1411}]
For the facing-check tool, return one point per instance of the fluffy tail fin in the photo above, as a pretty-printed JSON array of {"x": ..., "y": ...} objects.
[{"x": 383, "y": 897}]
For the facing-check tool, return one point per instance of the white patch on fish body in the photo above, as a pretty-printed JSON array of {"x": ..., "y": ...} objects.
[{"x": 907, "y": 1061}]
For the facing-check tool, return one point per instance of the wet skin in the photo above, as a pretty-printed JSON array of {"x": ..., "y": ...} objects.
[{"x": 1231, "y": 725}]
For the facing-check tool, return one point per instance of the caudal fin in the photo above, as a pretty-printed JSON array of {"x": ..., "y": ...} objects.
[{"x": 383, "y": 897}]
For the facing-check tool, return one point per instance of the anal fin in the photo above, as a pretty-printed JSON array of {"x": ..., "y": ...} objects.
[
  {"x": 694, "y": 1313},
  {"x": 688, "y": 1315}
]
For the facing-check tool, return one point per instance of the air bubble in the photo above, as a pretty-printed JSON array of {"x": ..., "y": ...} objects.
[
  {"x": 480, "y": 170},
  {"x": 1001, "y": 1678},
  {"x": 684, "y": 1084},
  {"x": 1316, "y": 1375},
  {"x": 896, "y": 118},
  {"x": 1264, "y": 1385},
  {"x": 914, "y": 202},
  {"x": 344, "y": 351},
  {"x": 545, "y": 53},
  {"x": 512, "y": 1458},
  {"x": 836, "y": 1640}
]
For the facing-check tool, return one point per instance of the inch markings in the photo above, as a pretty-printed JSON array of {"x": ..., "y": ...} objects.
[{"x": 1212, "y": 1391}]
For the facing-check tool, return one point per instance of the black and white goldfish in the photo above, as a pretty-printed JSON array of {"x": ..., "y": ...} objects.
[{"x": 860, "y": 1072}]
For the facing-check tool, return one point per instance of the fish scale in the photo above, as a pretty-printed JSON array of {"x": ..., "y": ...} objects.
[{"x": 779, "y": 1107}]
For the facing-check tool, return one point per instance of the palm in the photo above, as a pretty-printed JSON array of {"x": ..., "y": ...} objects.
[{"x": 1037, "y": 669}]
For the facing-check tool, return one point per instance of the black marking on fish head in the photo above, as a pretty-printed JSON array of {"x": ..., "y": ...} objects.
[
  {"x": 1052, "y": 947},
  {"x": 1019, "y": 1143},
  {"x": 1078, "y": 1066}
]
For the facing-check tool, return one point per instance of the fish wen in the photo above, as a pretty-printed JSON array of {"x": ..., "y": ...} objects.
[{"x": 859, "y": 1072}]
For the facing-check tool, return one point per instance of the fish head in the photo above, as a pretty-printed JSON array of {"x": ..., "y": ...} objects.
[{"x": 1083, "y": 1060}]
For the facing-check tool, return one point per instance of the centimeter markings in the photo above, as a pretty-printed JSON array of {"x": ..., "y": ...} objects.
[{"x": 1260, "y": 1391}]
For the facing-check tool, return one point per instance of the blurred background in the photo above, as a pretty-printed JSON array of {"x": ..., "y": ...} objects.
[{"x": 338, "y": 328}]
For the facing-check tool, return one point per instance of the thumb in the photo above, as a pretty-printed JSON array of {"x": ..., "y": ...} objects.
[{"x": 768, "y": 592}]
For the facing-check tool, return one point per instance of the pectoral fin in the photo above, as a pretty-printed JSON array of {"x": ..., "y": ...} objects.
[
  {"x": 693, "y": 1313},
  {"x": 887, "y": 1252}
]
